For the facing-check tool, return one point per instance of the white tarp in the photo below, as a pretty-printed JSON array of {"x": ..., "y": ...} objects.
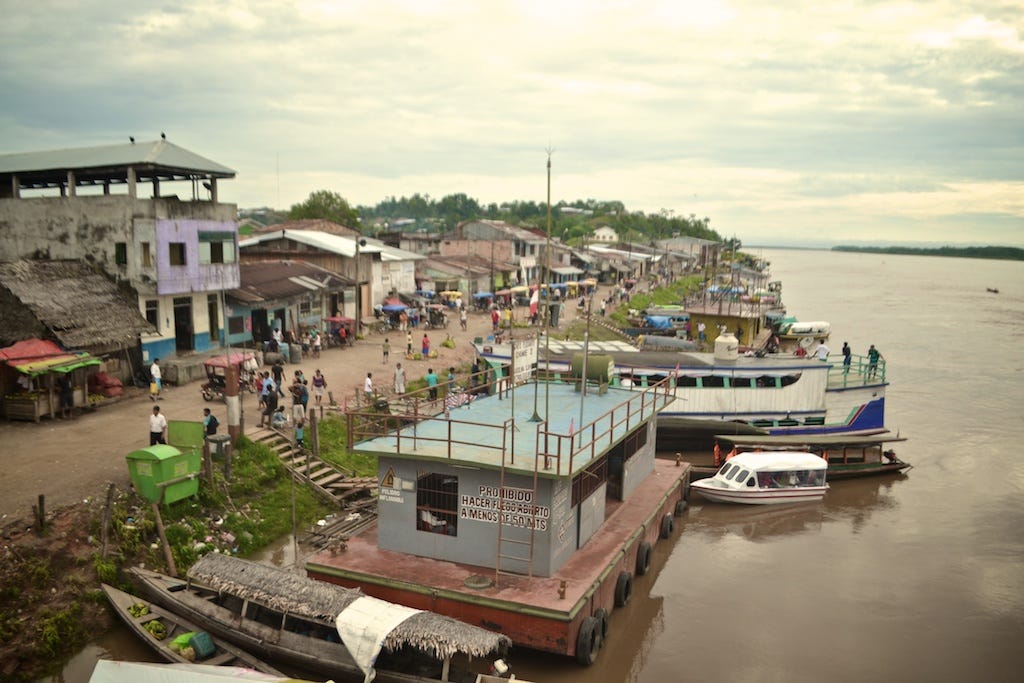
[
  {"x": 365, "y": 624},
  {"x": 107, "y": 671}
]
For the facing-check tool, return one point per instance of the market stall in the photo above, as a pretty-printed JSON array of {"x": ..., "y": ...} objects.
[{"x": 35, "y": 374}]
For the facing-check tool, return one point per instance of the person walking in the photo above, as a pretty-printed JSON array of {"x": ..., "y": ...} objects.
[
  {"x": 156, "y": 384},
  {"x": 408, "y": 343},
  {"x": 317, "y": 342},
  {"x": 425, "y": 347},
  {"x": 157, "y": 427},
  {"x": 450, "y": 386},
  {"x": 277, "y": 370},
  {"x": 210, "y": 422},
  {"x": 462, "y": 318},
  {"x": 847, "y": 358},
  {"x": 399, "y": 379},
  {"x": 368, "y": 387},
  {"x": 319, "y": 385},
  {"x": 431, "y": 384},
  {"x": 386, "y": 348}
]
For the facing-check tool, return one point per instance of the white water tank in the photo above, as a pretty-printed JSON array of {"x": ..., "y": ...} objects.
[{"x": 727, "y": 347}]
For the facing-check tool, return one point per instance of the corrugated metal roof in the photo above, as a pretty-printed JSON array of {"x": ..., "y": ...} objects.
[
  {"x": 335, "y": 244},
  {"x": 276, "y": 280},
  {"x": 158, "y": 153}
]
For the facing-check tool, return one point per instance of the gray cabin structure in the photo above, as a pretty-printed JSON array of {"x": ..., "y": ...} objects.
[{"x": 487, "y": 486}]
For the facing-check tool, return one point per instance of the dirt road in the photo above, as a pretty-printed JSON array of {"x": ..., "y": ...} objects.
[{"x": 71, "y": 460}]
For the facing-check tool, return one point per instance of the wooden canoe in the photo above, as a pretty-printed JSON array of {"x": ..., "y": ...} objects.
[{"x": 225, "y": 655}]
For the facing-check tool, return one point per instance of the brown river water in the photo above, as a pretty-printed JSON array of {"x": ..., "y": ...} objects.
[{"x": 919, "y": 577}]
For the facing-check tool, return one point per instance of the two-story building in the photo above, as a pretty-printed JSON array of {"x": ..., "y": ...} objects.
[
  {"x": 109, "y": 206},
  {"x": 527, "y": 247}
]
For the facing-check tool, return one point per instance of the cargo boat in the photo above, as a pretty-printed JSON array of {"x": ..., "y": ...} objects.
[{"x": 506, "y": 514}]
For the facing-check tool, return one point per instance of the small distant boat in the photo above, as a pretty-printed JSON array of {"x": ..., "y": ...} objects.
[
  {"x": 766, "y": 478},
  {"x": 992, "y": 290},
  {"x": 173, "y": 626}
]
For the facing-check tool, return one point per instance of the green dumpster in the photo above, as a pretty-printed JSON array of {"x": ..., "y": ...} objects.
[{"x": 163, "y": 468}]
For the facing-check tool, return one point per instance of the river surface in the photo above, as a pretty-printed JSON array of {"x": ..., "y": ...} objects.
[{"x": 919, "y": 577}]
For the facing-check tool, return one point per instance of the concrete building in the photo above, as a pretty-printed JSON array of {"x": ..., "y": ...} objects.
[{"x": 109, "y": 207}]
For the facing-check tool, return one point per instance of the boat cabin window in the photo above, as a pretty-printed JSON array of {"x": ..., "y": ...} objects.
[
  {"x": 742, "y": 382},
  {"x": 712, "y": 381},
  {"x": 437, "y": 504},
  {"x": 725, "y": 470},
  {"x": 751, "y": 482},
  {"x": 738, "y": 474},
  {"x": 786, "y": 380},
  {"x": 685, "y": 381}
]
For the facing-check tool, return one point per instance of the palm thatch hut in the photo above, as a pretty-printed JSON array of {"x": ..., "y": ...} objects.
[
  {"x": 437, "y": 636},
  {"x": 71, "y": 303}
]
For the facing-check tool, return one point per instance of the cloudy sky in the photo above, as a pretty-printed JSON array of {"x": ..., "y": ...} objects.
[{"x": 783, "y": 122}]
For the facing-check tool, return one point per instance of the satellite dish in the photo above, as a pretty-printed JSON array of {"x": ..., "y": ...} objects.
[{"x": 805, "y": 342}]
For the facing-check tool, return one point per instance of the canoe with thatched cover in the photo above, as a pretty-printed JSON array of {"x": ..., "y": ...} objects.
[{"x": 290, "y": 617}]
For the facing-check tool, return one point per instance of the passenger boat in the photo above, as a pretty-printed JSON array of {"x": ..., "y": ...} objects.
[
  {"x": 848, "y": 456},
  {"x": 766, "y": 478},
  {"x": 322, "y": 628},
  {"x": 531, "y": 511},
  {"x": 173, "y": 626},
  {"x": 719, "y": 393}
]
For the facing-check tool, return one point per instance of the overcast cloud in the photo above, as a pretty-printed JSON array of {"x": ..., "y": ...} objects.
[{"x": 783, "y": 122}]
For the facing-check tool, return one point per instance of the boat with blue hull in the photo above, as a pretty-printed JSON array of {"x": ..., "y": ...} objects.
[{"x": 717, "y": 393}]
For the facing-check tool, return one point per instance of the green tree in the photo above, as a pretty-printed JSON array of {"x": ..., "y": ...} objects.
[{"x": 328, "y": 205}]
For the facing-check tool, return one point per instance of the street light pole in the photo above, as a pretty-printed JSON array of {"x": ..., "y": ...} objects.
[{"x": 360, "y": 242}]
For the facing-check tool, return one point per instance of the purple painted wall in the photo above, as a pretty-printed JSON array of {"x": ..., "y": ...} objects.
[{"x": 193, "y": 276}]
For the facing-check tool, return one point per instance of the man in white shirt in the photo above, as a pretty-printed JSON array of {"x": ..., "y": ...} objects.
[
  {"x": 368, "y": 386},
  {"x": 158, "y": 385},
  {"x": 821, "y": 353},
  {"x": 157, "y": 427}
]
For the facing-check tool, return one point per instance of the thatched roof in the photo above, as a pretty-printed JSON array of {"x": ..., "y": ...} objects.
[
  {"x": 437, "y": 635},
  {"x": 78, "y": 306}
]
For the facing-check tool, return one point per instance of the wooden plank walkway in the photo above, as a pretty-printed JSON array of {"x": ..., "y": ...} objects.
[{"x": 335, "y": 484}]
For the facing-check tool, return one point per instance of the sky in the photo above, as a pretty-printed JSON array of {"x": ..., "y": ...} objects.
[{"x": 785, "y": 123}]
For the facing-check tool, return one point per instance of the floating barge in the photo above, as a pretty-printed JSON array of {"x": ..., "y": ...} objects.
[{"x": 531, "y": 526}]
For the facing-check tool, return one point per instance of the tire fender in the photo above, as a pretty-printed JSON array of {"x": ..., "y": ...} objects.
[
  {"x": 681, "y": 506},
  {"x": 668, "y": 525},
  {"x": 643, "y": 558},
  {"x": 623, "y": 589},
  {"x": 588, "y": 641},
  {"x": 601, "y": 615}
]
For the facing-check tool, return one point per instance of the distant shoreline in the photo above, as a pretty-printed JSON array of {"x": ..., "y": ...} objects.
[
  {"x": 990, "y": 252},
  {"x": 996, "y": 253}
]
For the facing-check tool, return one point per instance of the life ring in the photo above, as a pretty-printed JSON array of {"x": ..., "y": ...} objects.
[
  {"x": 588, "y": 641},
  {"x": 681, "y": 506},
  {"x": 668, "y": 525},
  {"x": 601, "y": 614},
  {"x": 643, "y": 558},
  {"x": 623, "y": 589}
]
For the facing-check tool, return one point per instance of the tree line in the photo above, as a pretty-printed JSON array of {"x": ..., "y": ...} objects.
[{"x": 573, "y": 222}]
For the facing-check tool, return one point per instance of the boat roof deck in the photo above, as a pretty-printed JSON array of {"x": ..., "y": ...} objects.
[
  {"x": 499, "y": 427},
  {"x": 363, "y": 561}
]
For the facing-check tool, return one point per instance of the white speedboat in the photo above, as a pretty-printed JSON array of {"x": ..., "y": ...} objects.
[{"x": 766, "y": 478}]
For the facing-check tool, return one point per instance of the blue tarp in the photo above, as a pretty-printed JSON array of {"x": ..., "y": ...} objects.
[
  {"x": 658, "y": 322},
  {"x": 394, "y": 308},
  {"x": 483, "y": 295}
]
